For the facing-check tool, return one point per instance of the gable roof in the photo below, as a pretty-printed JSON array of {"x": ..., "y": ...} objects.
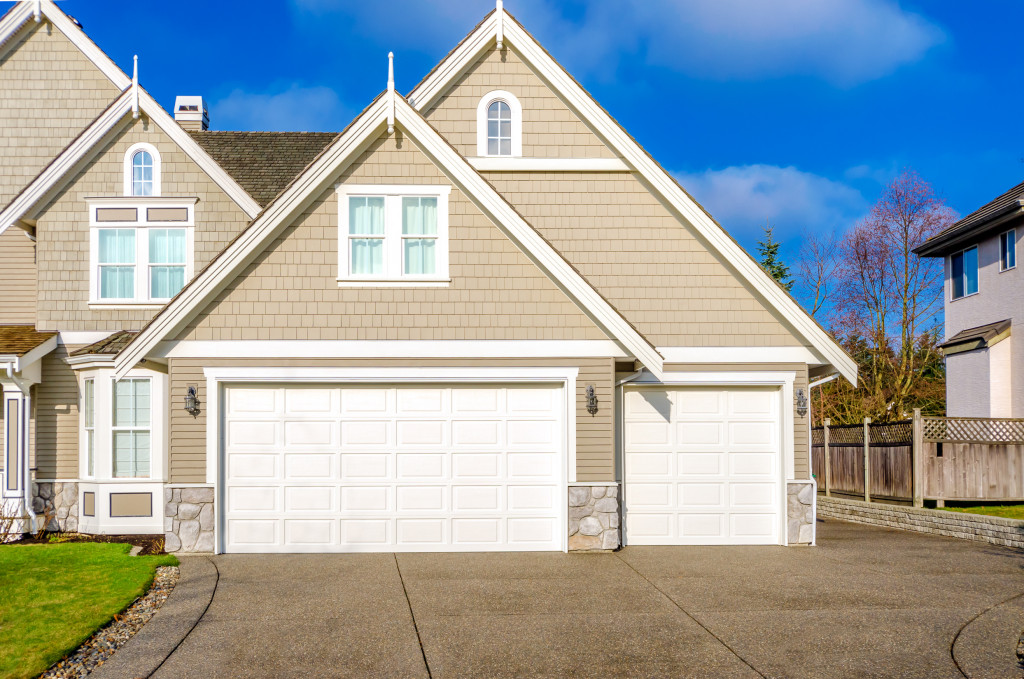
[
  {"x": 24, "y": 12},
  {"x": 989, "y": 216},
  {"x": 263, "y": 163},
  {"x": 662, "y": 184},
  {"x": 311, "y": 183},
  {"x": 86, "y": 145}
]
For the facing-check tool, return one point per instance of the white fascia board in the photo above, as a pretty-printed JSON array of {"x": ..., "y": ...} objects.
[
  {"x": 243, "y": 249},
  {"x": 634, "y": 156},
  {"x": 704, "y": 379},
  {"x": 24, "y": 11},
  {"x": 403, "y": 374},
  {"x": 201, "y": 158},
  {"x": 36, "y": 354},
  {"x": 741, "y": 355},
  {"x": 389, "y": 349},
  {"x": 76, "y": 337},
  {"x": 504, "y": 216},
  {"x": 500, "y": 164},
  {"x": 80, "y": 149}
]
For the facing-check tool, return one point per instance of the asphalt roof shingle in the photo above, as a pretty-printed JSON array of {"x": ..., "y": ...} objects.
[
  {"x": 109, "y": 345},
  {"x": 18, "y": 340},
  {"x": 263, "y": 163},
  {"x": 1001, "y": 204}
]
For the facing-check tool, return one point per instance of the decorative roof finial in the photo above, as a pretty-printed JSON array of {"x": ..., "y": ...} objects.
[
  {"x": 500, "y": 11},
  {"x": 37, "y": 11},
  {"x": 391, "y": 92},
  {"x": 135, "y": 89}
]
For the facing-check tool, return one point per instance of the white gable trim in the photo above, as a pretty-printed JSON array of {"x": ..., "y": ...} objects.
[
  {"x": 464, "y": 56},
  {"x": 58, "y": 173},
  {"x": 25, "y": 11},
  {"x": 312, "y": 182}
]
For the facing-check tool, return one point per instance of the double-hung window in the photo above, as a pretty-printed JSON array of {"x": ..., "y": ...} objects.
[
  {"x": 140, "y": 253},
  {"x": 393, "y": 234},
  {"x": 130, "y": 430},
  {"x": 963, "y": 273},
  {"x": 1008, "y": 250},
  {"x": 89, "y": 421}
]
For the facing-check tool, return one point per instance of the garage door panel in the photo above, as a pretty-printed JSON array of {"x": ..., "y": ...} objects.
[
  {"x": 709, "y": 473},
  {"x": 243, "y": 401},
  {"x": 380, "y": 468},
  {"x": 253, "y": 434}
]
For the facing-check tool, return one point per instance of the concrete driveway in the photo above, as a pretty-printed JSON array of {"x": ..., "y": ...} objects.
[{"x": 865, "y": 602}]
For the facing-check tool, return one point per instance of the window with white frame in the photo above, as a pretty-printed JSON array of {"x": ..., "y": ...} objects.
[
  {"x": 141, "y": 252},
  {"x": 142, "y": 171},
  {"x": 89, "y": 424},
  {"x": 499, "y": 125},
  {"x": 131, "y": 428},
  {"x": 963, "y": 273},
  {"x": 1008, "y": 250},
  {"x": 393, "y": 233}
]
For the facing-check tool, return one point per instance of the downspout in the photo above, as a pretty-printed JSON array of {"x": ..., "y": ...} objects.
[
  {"x": 620, "y": 417},
  {"x": 810, "y": 445},
  {"x": 26, "y": 408}
]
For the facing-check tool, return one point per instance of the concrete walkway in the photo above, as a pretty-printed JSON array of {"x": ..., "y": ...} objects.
[{"x": 867, "y": 602}]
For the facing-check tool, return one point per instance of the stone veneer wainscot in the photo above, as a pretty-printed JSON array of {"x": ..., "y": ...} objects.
[
  {"x": 593, "y": 516},
  {"x": 188, "y": 519}
]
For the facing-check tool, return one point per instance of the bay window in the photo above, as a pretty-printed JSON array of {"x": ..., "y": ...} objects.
[
  {"x": 130, "y": 428},
  {"x": 393, "y": 234},
  {"x": 89, "y": 422}
]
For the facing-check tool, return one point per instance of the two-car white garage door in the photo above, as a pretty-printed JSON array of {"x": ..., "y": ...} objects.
[
  {"x": 393, "y": 468},
  {"x": 702, "y": 466}
]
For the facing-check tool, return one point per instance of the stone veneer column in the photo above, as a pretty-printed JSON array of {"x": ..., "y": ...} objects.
[
  {"x": 800, "y": 512},
  {"x": 593, "y": 516},
  {"x": 188, "y": 519},
  {"x": 62, "y": 499}
]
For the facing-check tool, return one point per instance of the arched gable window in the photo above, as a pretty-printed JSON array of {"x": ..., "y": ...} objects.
[
  {"x": 142, "y": 171},
  {"x": 499, "y": 125}
]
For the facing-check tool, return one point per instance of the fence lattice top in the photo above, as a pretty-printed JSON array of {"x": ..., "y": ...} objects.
[
  {"x": 882, "y": 434},
  {"x": 973, "y": 430}
]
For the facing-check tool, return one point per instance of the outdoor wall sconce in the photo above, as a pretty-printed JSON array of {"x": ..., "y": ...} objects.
[
  {"x": 192, "y": 401},
  {"x": 591, "y": 400},
  {"x": 801, "y": 403}
]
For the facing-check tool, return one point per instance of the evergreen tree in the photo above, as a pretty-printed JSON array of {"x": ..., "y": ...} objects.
[{"x": 768, "y": 249}]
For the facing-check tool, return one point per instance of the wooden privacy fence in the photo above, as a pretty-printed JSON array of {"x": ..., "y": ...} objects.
[{"x": 933, "y": 458}]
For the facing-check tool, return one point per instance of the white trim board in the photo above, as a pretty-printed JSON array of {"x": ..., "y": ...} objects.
[
  {"x": 89, "y": 143},
  {"x": 314, "y": 180},
  {"x": 664, "y": 187},
  {"x": 741, "y": 355},
  {"x": 389, "y": 349},
  {"x": 497, "y": 164}
]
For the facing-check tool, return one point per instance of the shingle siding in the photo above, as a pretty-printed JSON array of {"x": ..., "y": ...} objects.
[{"x": 49, "y": 92}]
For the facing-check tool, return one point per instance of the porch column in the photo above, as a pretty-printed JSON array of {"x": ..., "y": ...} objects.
[{"x": 15, "y": 439}]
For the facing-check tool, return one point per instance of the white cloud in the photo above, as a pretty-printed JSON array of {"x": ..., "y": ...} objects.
[
  {"x": 302, "y": 109},
  {"x": 742, "y": 198},
  {"x": 844, "y": 42}
]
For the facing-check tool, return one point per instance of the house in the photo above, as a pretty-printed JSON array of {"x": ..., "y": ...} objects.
[
  {"x": 983, "y": 301},
  {"x": 481, "y": 317}
]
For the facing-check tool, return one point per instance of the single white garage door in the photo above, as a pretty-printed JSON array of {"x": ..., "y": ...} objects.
[
  {"x": 393, "y": 468},
  {"x": 702, "y": 466}
]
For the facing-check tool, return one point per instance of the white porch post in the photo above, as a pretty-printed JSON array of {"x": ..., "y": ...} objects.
[{"x": 15, "y": 440}]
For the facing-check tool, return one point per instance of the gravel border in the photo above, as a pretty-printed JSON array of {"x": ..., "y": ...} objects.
[{"x": 101, "y": 645}]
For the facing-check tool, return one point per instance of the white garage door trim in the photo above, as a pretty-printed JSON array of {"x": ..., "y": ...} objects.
[
  {"x": 783, "y": 380},
  {"x": 218, "y": 378}
]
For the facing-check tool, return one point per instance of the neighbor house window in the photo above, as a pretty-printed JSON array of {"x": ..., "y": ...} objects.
[
  {"x": 499, "y": 121},
  {"x": 389, "y": 235},
  {"x": 1008, "y": 250},
  {"x": 142, "y": 171},
  {"x": 140, "y": 253},
  {"x": 89, "y": 418},
  {"x": 963, "y": 268},
  {"x": 130, "y": 436}
]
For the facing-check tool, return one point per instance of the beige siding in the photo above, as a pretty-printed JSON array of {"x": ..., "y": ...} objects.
[
  {"x": 290, "y": 292},
  {"x": 17, "y": 278},
  {"x": 550, "y": 128},
  {"x": 63, "y": 229},
  {"x": 594, "y": 438},
  {"x": 56, "y": 409},
  {"x": 646, "y": 262},
  {"x": 801, "y": 452},
  {"x": 49, "y": 92}
]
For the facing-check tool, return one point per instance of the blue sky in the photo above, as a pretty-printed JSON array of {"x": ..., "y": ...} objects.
[{"x": 794, "y": 111}]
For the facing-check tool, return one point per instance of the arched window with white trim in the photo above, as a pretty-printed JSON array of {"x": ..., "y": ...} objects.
[
  {"x": 142, "y": 171},
  {"x": 499, "y": 126}
]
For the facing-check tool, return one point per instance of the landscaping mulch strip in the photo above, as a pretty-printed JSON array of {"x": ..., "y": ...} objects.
[
  {"x": 101, "y": 645},
  {"x": 151, "y": 544}
]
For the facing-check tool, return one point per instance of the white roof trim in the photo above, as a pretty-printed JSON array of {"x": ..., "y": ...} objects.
[
  {"x": 54, "y": 176},
  {"x": 308, "y": 185},
  {"x": 24, "y": 11},
  {"x": 463, "y": 57}
]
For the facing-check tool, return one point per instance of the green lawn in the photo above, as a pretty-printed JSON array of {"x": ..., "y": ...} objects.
[
  {"x": 53, "y": 597},
  {"x": 1004, "y": 511}
]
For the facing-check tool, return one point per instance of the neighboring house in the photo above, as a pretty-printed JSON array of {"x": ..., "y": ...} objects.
[
  {"x": 984, "y": 301},
  {"x": 479, "y": 318}
]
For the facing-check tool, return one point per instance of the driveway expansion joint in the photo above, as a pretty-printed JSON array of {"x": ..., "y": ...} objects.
[
  {"x": 416, "y": 627},
  {"x": 959, "y": 632},
  {"x": 191, "y": 629}
]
